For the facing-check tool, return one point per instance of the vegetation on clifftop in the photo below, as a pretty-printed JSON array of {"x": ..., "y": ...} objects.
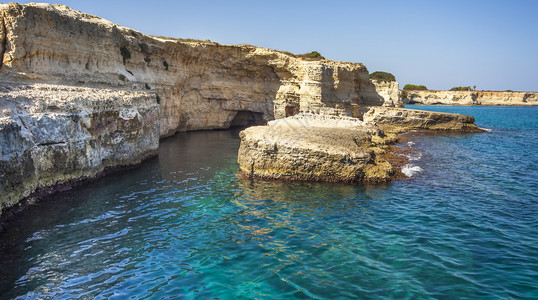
[
  {"x": 314, "y": 55},
  {"x": 461, "y": 88},
  {"x": 382, "y": 76},
  {"x": 413, "y": 87}
]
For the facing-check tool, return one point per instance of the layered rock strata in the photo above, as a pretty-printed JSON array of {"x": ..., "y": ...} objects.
[
  {"x": 399, "y": 120},
  {"x": 111, "y": 92},
  {"x": 321, "y": 148},
  {"x": 201, "y": 85},
  {"x": 491, "y": 98},
  {"x": 390, "y": 92},
  {"x": 53, "y": 135},
  {"x": 315, "y": 148}
]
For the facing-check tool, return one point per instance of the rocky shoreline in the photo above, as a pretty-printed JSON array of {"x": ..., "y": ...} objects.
[
  {"x": 485, "y": 98},
  {"x": 81, "y": 97},
  {"x": 337, "y": 149}
]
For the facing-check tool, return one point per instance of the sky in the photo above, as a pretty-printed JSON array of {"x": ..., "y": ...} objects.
[{"x": 490, "y": 44}]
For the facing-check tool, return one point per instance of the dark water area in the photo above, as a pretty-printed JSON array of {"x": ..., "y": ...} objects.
[{"x": 185, "y": 225}]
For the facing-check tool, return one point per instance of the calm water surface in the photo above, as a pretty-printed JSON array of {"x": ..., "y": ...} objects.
[{"x": 464, "y": 226}]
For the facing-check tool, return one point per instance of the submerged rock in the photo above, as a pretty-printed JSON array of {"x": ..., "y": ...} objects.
[{"x": 315, "y": 148}]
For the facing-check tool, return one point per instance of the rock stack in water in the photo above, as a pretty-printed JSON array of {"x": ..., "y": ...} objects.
[
  {"x": 316, "y": 148},
  {"x": 330, "y": 148}
]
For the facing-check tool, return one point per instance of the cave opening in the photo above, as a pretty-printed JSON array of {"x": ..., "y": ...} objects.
[{"x": 245, "y": 118}]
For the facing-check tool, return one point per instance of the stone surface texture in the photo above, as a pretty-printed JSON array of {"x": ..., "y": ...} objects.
[
  {"x": 390, "y": 92},
  {"x": 81, "y": 94},
  {"x": 201, "y": 85},
  {"x": 470, "y": 98},
  {"x": 394, "y": 119},
  {"x": 315, "y": 148},
  {"x": 52, "y": 135}
]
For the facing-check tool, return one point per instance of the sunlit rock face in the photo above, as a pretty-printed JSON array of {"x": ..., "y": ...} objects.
[
  {"x": 493, "y": 98},
  {"x": 81, "y": 94},
  {"x": 315, "y": 148},
  {"x": 394, "y": 119},
  {"x": 390, "y": 92},
  {"x": 52, "y": 136},
  {"x": 201, "y": 85}
]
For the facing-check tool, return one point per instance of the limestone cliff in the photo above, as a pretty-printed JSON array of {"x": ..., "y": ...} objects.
[
  {"x": 201, "y": 85},
  {"x": 493, "y": 98},
  {"x": 54, "y": 135},
  {"x": 390, "y": 92},
  {"x": 110, "y": 92}
]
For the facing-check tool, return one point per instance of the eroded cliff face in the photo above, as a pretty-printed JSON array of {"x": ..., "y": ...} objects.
[
  {"x": 390, "y": 92},
  {"x": 201, "y": 85},
  {"x": 492, "y": 98},
  {"x": 54, "y": 135},
  {"x": 110, "y": 92}
]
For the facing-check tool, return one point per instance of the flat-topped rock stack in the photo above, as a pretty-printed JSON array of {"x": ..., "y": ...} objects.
[
  {"x": 316, "y": 148},
  {"x": 322, "y": 148}
]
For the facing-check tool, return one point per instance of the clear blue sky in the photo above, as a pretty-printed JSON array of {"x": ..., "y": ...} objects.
[{"x": 488, "y": 43}]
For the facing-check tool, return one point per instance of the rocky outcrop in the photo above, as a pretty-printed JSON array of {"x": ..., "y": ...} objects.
[
  {"x": 469, "y": 98},
  {"x": 400, "y": 120},
  {"x": 322, "y": 148},
  {"x": 315, "y": 148},
  {"x": 201, "y": 85},
  {"x": 81, "y": 94},
  {"x": 54, "y": 135},
  {"x": 390, "y": 92}
]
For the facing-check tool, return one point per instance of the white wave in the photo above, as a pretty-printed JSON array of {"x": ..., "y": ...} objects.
[
  {"x": 486, "y": 129},
  {"x": 410, "y": 143},
  {"x": 409, "y": 170}
]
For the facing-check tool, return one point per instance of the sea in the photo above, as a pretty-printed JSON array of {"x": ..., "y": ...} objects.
[{"x": 186, "y": 225}]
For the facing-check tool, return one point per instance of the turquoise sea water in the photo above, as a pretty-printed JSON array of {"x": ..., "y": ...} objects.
[{"x": 464, "y": 226}]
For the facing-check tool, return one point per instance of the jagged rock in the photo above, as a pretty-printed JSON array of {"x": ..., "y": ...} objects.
[
  {"x": 201, "y": 85},
  {"x": 54, "y": 135},
  {"x": 112, "y": 91},
  {"x": 315, "y": 148},
  {"x": 390, "y": 92},
  {"x": 400, "y": 120}
]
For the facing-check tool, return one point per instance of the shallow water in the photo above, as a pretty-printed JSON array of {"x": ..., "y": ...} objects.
[{"x": 186, "y": 226}]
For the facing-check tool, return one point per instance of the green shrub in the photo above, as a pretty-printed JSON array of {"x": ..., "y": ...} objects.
[
  {"x": 412, "y": 87},
  {"x": 508, "y": 91},
  {"x": 461, "y": 88},
  {"x": 382, "y": 76},
  {"x": 314, "y": 55}
]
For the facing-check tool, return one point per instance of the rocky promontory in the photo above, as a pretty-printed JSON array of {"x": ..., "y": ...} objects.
[
  {"x": 52, "y": 136},
  {"x": 487, "y": 98},
  {"x": 400, "y": 120},
  {"x": 80, "y": 94}
]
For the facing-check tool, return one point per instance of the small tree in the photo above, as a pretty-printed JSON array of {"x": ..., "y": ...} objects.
[
  {"x": 314, "y": 55},
  {"x": 461, "y": 88},
  {"x": 413, "y": 87},
  {"x": 382, "y": 76}
]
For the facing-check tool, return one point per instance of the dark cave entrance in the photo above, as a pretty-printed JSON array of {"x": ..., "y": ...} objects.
[{"x": 245, "y": 118}]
